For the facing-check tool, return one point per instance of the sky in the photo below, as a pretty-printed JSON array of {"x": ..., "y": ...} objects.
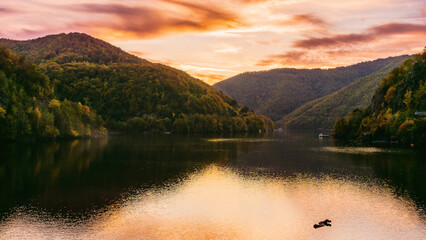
[{"x": 217, "y": 39}]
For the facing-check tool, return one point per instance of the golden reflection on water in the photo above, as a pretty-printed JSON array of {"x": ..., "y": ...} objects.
[
  {"x": 354, "y": 150},
  {"x": 218, "y": 203}
]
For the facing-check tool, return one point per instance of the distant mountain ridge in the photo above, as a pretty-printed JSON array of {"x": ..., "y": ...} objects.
[
  {"x": 323, "y": 112},
  {"x": 133, "y": 94},
  {"x": 278, "y": 92}
]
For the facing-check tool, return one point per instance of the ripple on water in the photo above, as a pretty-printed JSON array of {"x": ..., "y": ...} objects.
[
  {"x": 218, "y": 203},
  {"x": 354, "y": 150}
]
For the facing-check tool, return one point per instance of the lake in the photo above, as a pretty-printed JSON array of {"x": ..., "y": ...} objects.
[{"x": 249, "y": 186}]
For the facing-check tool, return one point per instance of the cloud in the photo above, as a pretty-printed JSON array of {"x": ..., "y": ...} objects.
[
  {"x": 324, "y": 58},
  {"x": 305, "y": 19},
  {"x": 198, "y": 68},
  {"x": 4, "y": 10},
  {"x": 329, "y": 55},
  {"x": 209, "y": 78},
  {"x": 422, "y": 12},
  {"x": 398, "y": 28},
  {"x": 252, "y": 1},
  {"x": 288, "y": 58},
  {"x": 147, "y": 21},
  {"x": 137, "y": 53},
  {"x": 269, "y": 42},
  {"x": 228, "y": 49},
  {"x": 371, "y": 34},
  {"x": 210, "y": 75},
  {"x": 207, "y": 11}
]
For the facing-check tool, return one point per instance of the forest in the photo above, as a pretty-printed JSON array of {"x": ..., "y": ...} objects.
[
  {"x": 396, "y": 111},
  {"x": 28, "y": 107},
  {"x": 148, "y": 96},
  {"x": 278, "y": 92},
  {"x": 87, "y": 78},
  {"x": 323, "y": 112}
]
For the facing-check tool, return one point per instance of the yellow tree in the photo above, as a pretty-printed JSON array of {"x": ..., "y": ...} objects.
[
  {"x": 37, "y": 114},
  {"x": 2, "y": 112}
]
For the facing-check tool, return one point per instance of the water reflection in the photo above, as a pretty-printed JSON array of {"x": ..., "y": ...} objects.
[
  {"x": 218, "y": 203},
  {"x": 210, "y": 187},
  {"x": 76, "y": 177},
  {"x": 354, "y": 150},
  {"x": 30, "y": 169},
  {"x": 404, "y": 170},
  {"x": 242, "y": 140}
]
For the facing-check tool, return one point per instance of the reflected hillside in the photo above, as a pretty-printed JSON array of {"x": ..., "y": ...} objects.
[
  {"x": 89, "y": 173},
  {"x": 404, "y": 171},
  {"x": 45, "y": 170}
]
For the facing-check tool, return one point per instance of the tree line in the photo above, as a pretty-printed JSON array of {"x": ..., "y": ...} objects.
[{"x": 396, "y": 109}]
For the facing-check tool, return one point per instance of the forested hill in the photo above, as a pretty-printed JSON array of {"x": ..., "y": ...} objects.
[
  {"x": 276, "y": 93},
  {"x": 323, "y": 112},
  {"x": 28, "y": 107},
  {"x": 133, "y": 94},
  {"x": 71, "y": 47},
  {"x": 397, "y": 109}
]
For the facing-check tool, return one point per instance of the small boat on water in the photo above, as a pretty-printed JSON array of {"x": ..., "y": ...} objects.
[{"x": 323, "y": 135}]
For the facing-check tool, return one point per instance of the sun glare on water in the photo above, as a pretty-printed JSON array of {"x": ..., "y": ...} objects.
[{"x": 218, "y": 203}]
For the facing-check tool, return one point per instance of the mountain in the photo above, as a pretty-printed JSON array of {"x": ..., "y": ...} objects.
[
  {"x": 71, "y": 47},
  {"x": 28, "y": 107},
  {"x": 397, "y": 108},
  {"x": 131, "y": 93},
  {"x": 323, "y": 112},
  {"x": 278, "y": 92}
]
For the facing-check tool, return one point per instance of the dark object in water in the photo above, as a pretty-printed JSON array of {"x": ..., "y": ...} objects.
[
  {"x": 318, "y": 226},
  {"x": 326, "y": 222}
]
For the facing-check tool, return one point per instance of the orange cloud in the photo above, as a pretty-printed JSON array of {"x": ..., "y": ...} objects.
[
  {"x": 145, "y": 21},
  {"x": 137, "y": 53},
  {"x": 371, "y": 34},
  {"x": 298, "y": 59},
  {"x": 252, "y": 1},
  {"x": 209, "y": 78},
  {"x": 306, "y": 19},
  {"x": 287, "y": 58}
]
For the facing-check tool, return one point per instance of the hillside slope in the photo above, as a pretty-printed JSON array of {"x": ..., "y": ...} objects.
[
  {"x": 131, "y": 93},
  {"x": 28, "y": 107},
  {"x": 397, "y": 109},
  {"x": 276, "y": 93},
  {"x": 323, "y": 112}
]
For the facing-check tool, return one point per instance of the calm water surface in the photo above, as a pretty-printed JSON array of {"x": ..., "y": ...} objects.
[{"x": 210, "y": 187}]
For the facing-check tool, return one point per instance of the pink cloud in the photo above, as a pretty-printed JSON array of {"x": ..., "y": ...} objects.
[
  {"x": 5, "y": 10},
  {"x": 143, "y": 21},
  {"x": 288, "y": 58},
  {"x": 371, "y": 34},
  {"x": 305, "y": 19}
]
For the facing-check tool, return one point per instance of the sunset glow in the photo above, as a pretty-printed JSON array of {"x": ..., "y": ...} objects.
[{"x": 214, "y": 40}]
